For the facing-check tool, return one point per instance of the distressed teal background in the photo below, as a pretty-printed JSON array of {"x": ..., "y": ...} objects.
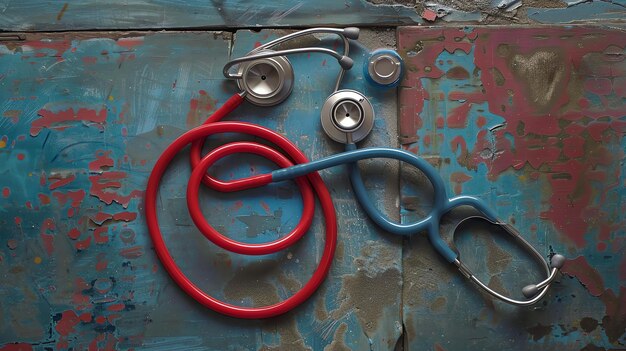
[{"x": 529, "y": 119}]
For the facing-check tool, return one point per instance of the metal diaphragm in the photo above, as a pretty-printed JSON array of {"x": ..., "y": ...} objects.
[
  {"x": 347, "y": 116},
  {"x": 266, "y": 81}
]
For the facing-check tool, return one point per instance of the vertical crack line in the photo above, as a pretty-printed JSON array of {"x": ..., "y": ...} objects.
[{"x": 231, "y": 45}]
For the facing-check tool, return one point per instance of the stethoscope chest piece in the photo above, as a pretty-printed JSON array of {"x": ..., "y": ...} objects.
[
  {"x": 266, "y": 81},
  {"x": 384, "y": 68},
  {"x": 347, "y": 116}
]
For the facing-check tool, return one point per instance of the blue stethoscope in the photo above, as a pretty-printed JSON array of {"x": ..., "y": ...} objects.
[
  {"x": 266, "y": 78},
  {"x": 347, "y": 116}
]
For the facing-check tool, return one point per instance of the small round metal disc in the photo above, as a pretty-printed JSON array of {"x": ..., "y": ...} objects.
[
  {"x": 266, "y": 81},
  {"x": 347, "y": 116},
  {"x": 384, "y": 67}
]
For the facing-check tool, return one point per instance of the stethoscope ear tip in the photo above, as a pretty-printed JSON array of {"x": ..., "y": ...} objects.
[
  {"x": 557, "y": 261},
  {"x": 530, "y": 291},
  {"x": 346, "y": 63},
  {"x": 351, "y": 33}
]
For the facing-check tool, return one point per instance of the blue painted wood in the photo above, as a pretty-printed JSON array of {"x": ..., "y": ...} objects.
[
  {"x": 83, "y": 121},
  {"x": 581, "y": 12},
  {"x": 143, "y": 14}
]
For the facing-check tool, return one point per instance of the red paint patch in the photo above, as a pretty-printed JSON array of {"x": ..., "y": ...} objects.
[
  {"x": 266, "y": 207},
  {"x": 18, "y": 221},
  {"x": 116, "y": 307},
  {"x": 100, "y": 234},
  {"x": 427, "y": 140},
  {"x": 110, "y": 180},
  {"x": 458, "y": 178},
  {"x": 132, "y": 252},
  {"x": 47, "y": 238},
  {"x": 429, "y": 15},
  {"x": 457, "y": 73},
  {"x": 69, "y": 319},
  {"x": 48, "y": 243},
  {"x": 586, "y": 275},
  {"x": 238, "y": 205},
  {"x": 458, "y": 116},
  {"x": 101, "y": 217},
  {"x": 201, "y": 109},
  {"x": 130, "y": 43},
  {"x": 59, "y": 182},
  {"x": 85, "y": 317},
  {"x": 125, "y": 216},
  {"x": 74, "y": 234},
  {"x": 102, "y": 265},
  {"x": 44, "y": 199},
  {"x": 440, "y": 123},
  {"x": 59, "y": 47},
  {"x": 481, "y": 121},
  {"x": 76, "y": 197},
  {"x": 51, "y": 119},
  {"x": 6, "y": 192},
  {"x": 83, "y": 244},
  {"x": 103, "y": 161},
  {"x": 21, "y": 156}
]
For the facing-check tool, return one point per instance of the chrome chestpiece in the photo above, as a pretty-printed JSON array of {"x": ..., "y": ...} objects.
[
  {"x": 347, "y": 116},
  {"x": 267, "y": 81}
]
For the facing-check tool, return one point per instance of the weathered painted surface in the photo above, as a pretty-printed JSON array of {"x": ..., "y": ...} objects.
[
  {"x": 533, "y": 121},
  {"x": 34, "y": 15},
  {"x": 581, "y": 12},
  {"x": 82, "y": 122}
]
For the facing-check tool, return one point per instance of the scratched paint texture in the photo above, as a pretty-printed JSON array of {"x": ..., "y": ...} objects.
[
  {"x": 532, "y": 120},
  {"x": 84, "y": 118},
  {"x": 35, "y": 15}
]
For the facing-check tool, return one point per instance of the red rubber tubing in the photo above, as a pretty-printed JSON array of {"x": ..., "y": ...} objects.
[
  {"x": 312, "y": 182},
  {"x": 230, "y": 244}
]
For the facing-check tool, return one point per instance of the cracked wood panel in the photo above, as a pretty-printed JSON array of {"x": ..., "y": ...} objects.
[
  {"x": 533, "y": 121},
  {"x": 144, "y": 14},
  {"x": 35, "y": 15},
  {"x": 84, "y": 117}
]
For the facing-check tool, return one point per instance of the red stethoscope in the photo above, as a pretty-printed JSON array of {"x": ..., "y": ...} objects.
[{"x": 266, "y": 78}]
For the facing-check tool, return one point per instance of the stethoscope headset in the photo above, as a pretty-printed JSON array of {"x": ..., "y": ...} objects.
[{"x": 266, "y": 78}]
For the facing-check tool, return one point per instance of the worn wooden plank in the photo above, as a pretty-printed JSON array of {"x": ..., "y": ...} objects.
[
  {"x": 532, "y": 121},
  {"x": 599, "y": 12},
  {"x": 34, "y": 15},
  {"x": 84, "y": 117},
  {"x": 144, "y": 14}
]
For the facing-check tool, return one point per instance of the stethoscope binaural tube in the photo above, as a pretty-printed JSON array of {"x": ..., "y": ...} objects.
[{"x": 277, "y": 76}]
